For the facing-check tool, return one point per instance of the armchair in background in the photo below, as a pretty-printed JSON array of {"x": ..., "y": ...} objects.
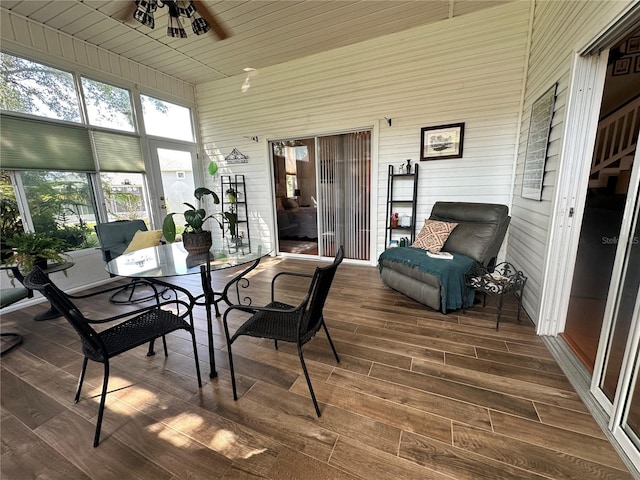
[{"x": 123, "y": 236}]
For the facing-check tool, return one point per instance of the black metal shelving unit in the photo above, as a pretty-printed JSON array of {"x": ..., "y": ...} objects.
[
  {"x": 393, "y": 184},
  {"x": 240, "y": 207}
]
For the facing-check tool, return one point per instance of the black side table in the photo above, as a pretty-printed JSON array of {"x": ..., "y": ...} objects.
[{"x": 504, "y": 279}]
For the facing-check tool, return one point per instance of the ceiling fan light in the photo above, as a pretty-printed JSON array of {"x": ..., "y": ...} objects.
[
  {"x": 175, "y": 28},
  {"x": 199, "y": 25},
  {"x": 144, "y": 12}
]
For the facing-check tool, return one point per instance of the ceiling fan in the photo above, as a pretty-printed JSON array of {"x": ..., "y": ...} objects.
[{"x": 201, "y": 17}]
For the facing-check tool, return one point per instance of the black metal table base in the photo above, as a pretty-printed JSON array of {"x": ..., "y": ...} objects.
[
  {"x": 211, "y": 297},
  {"x": 51, "y": 313}
]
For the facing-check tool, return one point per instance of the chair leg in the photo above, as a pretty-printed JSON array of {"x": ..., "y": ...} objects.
[
  {"x": 326, "y": 331},
  {"x": 164, "y": 344},
  {"x": 103, "y": 397},
  {"x": 275, "y": 343},
  {"x": 306, "y": 375},
  {"x": 233, "y": 374},
  {"x": 519, "y": 304},
  {"x": 195, "y": 353},
  {"x": 229, "y": 342},
  {"x": 500, "y": 299},
  {"x": 81, "y": 379},
  {"x": 151, "y": 352}
]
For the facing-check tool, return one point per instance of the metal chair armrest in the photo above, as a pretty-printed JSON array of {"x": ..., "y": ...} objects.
[{"x": 291, "y": 274}]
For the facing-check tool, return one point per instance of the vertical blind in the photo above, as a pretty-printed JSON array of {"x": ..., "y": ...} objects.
[{"x": 345, "y": 193}]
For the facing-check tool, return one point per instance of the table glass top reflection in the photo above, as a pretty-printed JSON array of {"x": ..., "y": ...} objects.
[{"x": 172, "y": 259}]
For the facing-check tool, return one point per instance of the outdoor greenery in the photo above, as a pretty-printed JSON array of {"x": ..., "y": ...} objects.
[
  {"x": 58, "y": 208},
  {"x": 38, "y": 89},
  {"x": 29, "y": 87}
]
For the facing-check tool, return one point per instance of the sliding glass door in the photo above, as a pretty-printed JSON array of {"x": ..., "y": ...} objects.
[
  {"x": 615, "y": 379},
  {"x": 322, "y": 189}
]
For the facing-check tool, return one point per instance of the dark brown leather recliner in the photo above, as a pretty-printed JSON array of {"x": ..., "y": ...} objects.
[{"x": 479, "y": 235}]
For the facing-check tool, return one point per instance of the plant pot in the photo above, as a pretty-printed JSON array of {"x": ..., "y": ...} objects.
[
  {"x": 394, "y": 223},
  {"x": 197, "y": 242}
]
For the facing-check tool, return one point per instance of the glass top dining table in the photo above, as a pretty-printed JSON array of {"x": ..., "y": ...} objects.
[
  {"x": 158, "y": 263},
  {"x": 171, "y": 259}
]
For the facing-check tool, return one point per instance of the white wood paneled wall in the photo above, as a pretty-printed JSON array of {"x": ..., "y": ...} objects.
[
  {"x": 22, "y": 36},
  {"x": 468, "y": 69},
  {"x": 559, "y": 30}
]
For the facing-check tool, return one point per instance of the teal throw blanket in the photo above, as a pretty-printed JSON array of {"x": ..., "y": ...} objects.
[{"x": 450, "y": 273}]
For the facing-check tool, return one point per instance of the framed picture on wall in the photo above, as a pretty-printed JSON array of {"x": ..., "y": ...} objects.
[
  {"x": 622, "y": 66},
  {"x": 441, "y": 142},
  {"x": 633, "y": 45}
]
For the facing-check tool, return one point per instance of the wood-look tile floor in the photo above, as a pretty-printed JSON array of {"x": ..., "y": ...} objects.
[{"x": 417, "y": 395}]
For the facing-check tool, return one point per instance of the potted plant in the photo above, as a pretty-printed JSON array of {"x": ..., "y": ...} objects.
[
  {"x": 31, "y": 249},
  {"x": 194, "y": 237},
  {"x": 230, "y": 216}
]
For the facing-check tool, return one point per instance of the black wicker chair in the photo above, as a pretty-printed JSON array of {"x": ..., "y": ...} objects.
[
  {"x": 141, "y": 326},
  {"x": 281, "y": 321}
]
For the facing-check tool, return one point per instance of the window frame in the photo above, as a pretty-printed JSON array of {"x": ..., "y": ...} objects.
[{"x": 94, "y": 181}]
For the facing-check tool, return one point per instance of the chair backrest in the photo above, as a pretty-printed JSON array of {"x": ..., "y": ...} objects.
[
  {"x": 318, "y": 292},
  {"x": 92, "y": 345},
  {"x": 115, "y": 236},
  {"x": 480, "y": 231}
]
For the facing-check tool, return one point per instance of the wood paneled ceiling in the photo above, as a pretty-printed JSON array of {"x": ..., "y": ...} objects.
[{"x": 263, "y": 33}]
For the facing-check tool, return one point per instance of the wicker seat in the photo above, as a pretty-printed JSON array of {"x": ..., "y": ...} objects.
[
  {"x": 281, "y": 321},
  {"x": 136, "y": 328}
]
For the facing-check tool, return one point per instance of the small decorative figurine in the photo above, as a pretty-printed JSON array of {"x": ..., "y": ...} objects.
[
  {"x": 401, "y": 168},
  {"x": 408, "y": 165}
]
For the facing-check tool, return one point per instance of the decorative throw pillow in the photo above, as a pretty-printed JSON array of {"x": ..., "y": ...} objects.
[
  {"x": 143, "y": 239},
  {"x": 433, "y": 235}
]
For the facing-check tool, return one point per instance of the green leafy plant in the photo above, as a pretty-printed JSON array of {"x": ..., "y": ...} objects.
[
  {"x": 30, "y": 247},
  {"x": 231, "y": 216},
  {"x": 194, "y": 217}
]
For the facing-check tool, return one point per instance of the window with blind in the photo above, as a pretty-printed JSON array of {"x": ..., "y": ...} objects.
[{"x": 64, "y": 169}]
